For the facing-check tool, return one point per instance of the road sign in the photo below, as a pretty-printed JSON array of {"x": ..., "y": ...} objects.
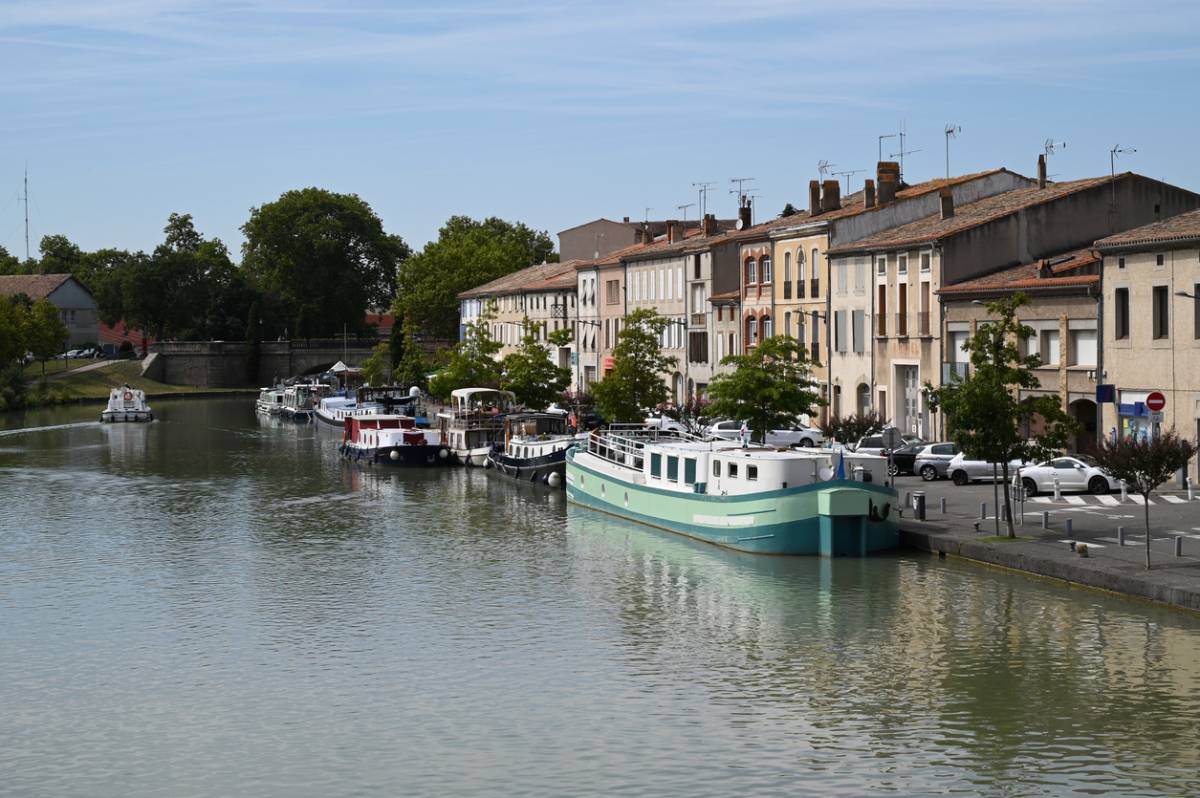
[
  {"x": 1156, "y": 418},
  {"x": 1156, "y": 401},
  {"x": 892, "y": 439}
]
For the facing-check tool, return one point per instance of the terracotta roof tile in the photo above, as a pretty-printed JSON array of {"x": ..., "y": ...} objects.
[
  {"x": 34, "y": 286},
  {"x": 971, "y": 215},
  {"x": 538, "y": 277},
  {"x": 1066, "y": 270},
  {"x": 1181, "y": 228}
]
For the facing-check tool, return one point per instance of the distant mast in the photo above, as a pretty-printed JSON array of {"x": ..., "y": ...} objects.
[{"x": 25, "y": 199}]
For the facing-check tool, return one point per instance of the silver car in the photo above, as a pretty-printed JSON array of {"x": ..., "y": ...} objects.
[
  {"x": 963, "y": 470},
  {"x": 933, "y": 461},
  {"x": 873, "y": 444}
]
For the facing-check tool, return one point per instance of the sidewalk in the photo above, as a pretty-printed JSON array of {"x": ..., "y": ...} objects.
[{"x": 1048, "y": 552}]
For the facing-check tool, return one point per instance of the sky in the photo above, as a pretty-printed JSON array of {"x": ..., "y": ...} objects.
[{"x": 555, "y": 113}]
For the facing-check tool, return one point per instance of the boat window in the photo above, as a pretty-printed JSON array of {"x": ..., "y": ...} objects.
[
  {"x": 689, "y": 470},
  {"x": 655, "y": 465},
  {"x": 751, "y": 472},
  {"x": 732, "y": 470},
  {"x": 672, "y": 469},
  {"x": 716, "y": 468}
]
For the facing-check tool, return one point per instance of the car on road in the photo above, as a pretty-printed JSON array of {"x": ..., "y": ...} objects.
[
  {"x": 794, "y": 435},
  {"x": 1076, "y": 472},
  {"x": 665, "y": 423},
  {"x": 873, "y": 444},
  {"x": 963, "y": 469},
  {"x": 933, "y": 459}
]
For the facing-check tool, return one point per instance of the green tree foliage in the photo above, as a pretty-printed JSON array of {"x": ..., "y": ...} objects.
[
  {"x": 694, "y": 414},
  {"x": 1144, "y": 464},
  {"x": 377, "y": 368},
  {"x": 324, "y": 258},
  {"x": 985, "y": 414},
  {"x": 769, "y": 387},
  {"x": 45, "y": 332},
  {"x": 466, "y": 254},
  {"x": 413, "y": 367},
  {"x": 472, "y": 362},
  {"x": 13, "y": 324},
  {"x": 635, "y": 384},
  {"x": 529, "y": 372},
  {"x": 850, "y": 429},
  {"x": 9, "y": 264},
  {"x": 60, "y": 256},
  {"x": 788, "y": 210}
]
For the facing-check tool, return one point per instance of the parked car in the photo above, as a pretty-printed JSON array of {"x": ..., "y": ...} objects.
[
  {"x": 873, "y": 444},
  {"x": 933, "y": 459},
  {"x": 963, "y": 470},
  {"x": 1076, "y": 472},
  {"x": 795, "y": 435},
  {"x": 904, "y": 459},
  {"x": 665, "y": 423}
]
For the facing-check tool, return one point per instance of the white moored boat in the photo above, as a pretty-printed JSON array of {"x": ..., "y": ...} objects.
[
  {"x": 474, "y": 423},
  {"x": 126, "y": 404},
  {"x": 392, "y": 439},
  {"x": 754, "y": 499},
  {"x": 534, "y": 448},
  {"x": 270, "y": 401}
]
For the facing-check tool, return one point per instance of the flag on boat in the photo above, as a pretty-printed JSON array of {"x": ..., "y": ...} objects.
[{"x": 841, "y": 467}]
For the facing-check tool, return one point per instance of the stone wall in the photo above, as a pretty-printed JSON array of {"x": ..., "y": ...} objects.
[{"x": 226, "y": 364}]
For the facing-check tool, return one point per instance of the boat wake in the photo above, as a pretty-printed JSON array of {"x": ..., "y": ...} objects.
[{"x": 21, "y": 431}]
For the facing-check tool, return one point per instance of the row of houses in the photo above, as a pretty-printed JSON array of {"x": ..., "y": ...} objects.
[{"x": 884, "y": 285}]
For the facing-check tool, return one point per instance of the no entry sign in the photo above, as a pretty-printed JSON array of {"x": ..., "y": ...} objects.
[{"x": 1155, "y": 401}]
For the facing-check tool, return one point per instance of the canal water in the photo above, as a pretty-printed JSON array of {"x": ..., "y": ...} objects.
[{"x": 214, "y": 604}]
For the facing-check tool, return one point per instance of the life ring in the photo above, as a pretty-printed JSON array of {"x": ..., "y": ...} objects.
[{"x": 127, "y": 396}]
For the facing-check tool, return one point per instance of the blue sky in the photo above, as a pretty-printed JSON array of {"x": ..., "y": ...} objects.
[{"x": 554, "y": 113}]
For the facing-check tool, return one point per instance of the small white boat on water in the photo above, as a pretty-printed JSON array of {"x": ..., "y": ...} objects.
[
  {"x": 372, "y": 400},
  {"x": 534, "y": 449},
  {"x": 300, "y": 399},
  {"x": 392, "y": 440},
  {"x": 126, "y": 404},
  {"x": 474, "y": 422},
  {"x": 270, "y": 401}
]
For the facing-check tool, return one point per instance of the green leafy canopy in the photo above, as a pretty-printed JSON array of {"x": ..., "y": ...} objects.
[
  {"x": 529, "y": 372},
  {"x": 769, "y": 388},
  {"x": 472, "y": 362},
  {"x": 635, "y": 384}
]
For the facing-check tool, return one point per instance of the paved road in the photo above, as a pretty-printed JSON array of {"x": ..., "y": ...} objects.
[{"x": 1094, "y": 519}]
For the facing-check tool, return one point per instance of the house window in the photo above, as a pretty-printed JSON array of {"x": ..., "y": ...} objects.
[
  {"x": 1049, "y": 347},
  {"x": 902, "y": 265},
  {"x": 799, "y": 267},
  {"x": 839, "y": 330},
  {"x": 751, "y": 332},
  {"x": 858, "y": 319},
  {"x": 881, "y": 265},
  {"x": 841, "y": 277},
  {"x": 1159, "y": 259},
  {"x": 766, "y": 268},
  {"x": 1162, "y": 317},
  {"x": 655, "y": 465},
  {"x": 751, "y": 272},
  {"x": 696, "y": 267},
  {"x": 1083, "y": 347},
  {"x": 881, "y": 312},
  {"x": 768, "y": 328},
  {"x": 787, "y": 324},
  {"x": 1122, "y": 313},
  {"x": 902, "y": 310},
  {"x": 787, "y": 267},
  {"x": 925, "y": 261},
  {"x": 860, "y": 275},
  {"x": 1120, "y": 263}
]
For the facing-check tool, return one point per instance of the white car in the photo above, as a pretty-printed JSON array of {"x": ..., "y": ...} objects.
[
  {"x": 963, "y": 469},
  {"x": 796, "y": 435},
  {"x": 1076, "y": 472},
  {"x": 665, "y": 423}
]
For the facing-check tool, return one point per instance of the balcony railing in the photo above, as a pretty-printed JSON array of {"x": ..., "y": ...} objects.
[
  {"x": 902, "y": 325},
  {"x": 799, "y": 289},
  {"x": 816, "y": 287},
  {"x": 787, "y": 290},
  {"x": 923, "y": 323}
]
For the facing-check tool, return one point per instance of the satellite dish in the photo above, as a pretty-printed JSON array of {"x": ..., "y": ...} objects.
[
  {"x": 739, "y": 224},
  {"x": 826, "y": 473}
]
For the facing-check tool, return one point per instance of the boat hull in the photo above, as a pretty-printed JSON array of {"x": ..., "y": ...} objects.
[
  {"x": 114, "y": 416},
  {"x": 410, "y": 455},
  {"x": 837, "y": 518},
  {"x": 549, "y": 469}
]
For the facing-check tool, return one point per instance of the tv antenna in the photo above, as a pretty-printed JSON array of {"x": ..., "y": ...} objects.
[
  {"x": 741, "y": 182},
  {"x": 824, "y": 167},
  {"x": 952, "y": 131},
  {"x": 702, "y": 194},
  {"x": 881, "y": 138},
  {"x": 1051, "y": 146},
  {"x": 684, "y": 208},
  {"x": 847, "y": 173},
  {"x": 646, "y": 218},
  {"x": 903, "y": 134},
  {"x": 1116, "y": 151}
]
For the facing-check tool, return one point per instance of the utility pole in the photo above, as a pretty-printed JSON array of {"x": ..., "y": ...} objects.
[{"x": 25, "y": 199}]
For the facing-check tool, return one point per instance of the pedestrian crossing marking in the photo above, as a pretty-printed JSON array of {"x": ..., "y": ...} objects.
[
  {"x": 1175, "y": 500},
  {"x": 1042, "y": 500},
  {"x": 1111, "y": 501},
  {"x": 1074, "y": 500},
  {"x": 1138, "y": 499}
]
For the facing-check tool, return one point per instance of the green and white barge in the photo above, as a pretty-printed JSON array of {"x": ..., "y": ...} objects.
[{"x": 754, "y": 499}]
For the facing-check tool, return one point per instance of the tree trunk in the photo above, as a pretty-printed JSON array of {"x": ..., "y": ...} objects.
[
  {"x": 1146, "y": 507},
  {"x": 1008, "y": 502}
]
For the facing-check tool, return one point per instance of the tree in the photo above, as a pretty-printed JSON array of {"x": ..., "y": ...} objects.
[
  {"x": 788, "y": 210},
  {"x": 635, "y": 384},
  {"x": 850, "y": 429},
  {"x": 324, "y": 257},
  {"x": 59, "y": 256},
  {"x": 986, "y": 415},
  {"x": 45, "y": 332},
  {"x": 769, "y": 387},
  {"x": 693, "y": 414},
  {"x": 472, "y": 362},
  {"x": 9, "y": 263},
  {"x": 413, "y": 366},
  {"x": 530, "y": 374},
  {"x": 12, "y": 330},
  {"x": 466, "y": 254},
  {"x": 1144, "y": 464},
  {"x": 378, "y": 366}
]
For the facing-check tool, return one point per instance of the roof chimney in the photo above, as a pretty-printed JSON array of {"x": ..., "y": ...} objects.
[
  {"x": 831, "y": 196},
  {"x": 1044, "y": 269},
  {"x": 709, "y": 225},
  {"x": 888, "y": 175},
  {"x": 639, "y": 235},
  {"x": 674, "y": 230},
  {"x": 1042, "y": 171},
  {"x": 814, "y": 197},
  {"x": 744, "y": 215},
  {"x": 947, "y": 197},
  {"x": 869, "y": 194},
  {"x": 626, "y": 220}
]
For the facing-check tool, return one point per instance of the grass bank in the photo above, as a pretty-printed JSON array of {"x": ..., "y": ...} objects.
[{"x": 95, "y": 384}]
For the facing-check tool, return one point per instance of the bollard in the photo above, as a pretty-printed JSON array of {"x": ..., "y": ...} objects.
[
  {"x": 1067, "y": 527},
  {"x": 1057, "y": 491},
  {"x": 1045, "y": 519},
  {"x": 1123, "y": 496},
  {"x": 1179, "y": 545},
  {"x": 983, "y": 511},
  {"x": 918, "y": 505},
  {"x": 1191, "y": 492},
  {"x": 943, "y": 503},
  {"x": 1071, "y": 545},
  {"x": 908, "y": 498},
  {"x": 1120, "y": 536}
]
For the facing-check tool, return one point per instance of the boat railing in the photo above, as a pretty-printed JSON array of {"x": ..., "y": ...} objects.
[{"x": 623, "y": 444}]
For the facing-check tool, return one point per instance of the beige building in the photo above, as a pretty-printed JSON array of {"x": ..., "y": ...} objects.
[
  {"x": 1064, "y": 300},
  {"x": 602, "y": 237},
  {"x": 1151, "y": 326},
  {"x": 543, "y": 294}
]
